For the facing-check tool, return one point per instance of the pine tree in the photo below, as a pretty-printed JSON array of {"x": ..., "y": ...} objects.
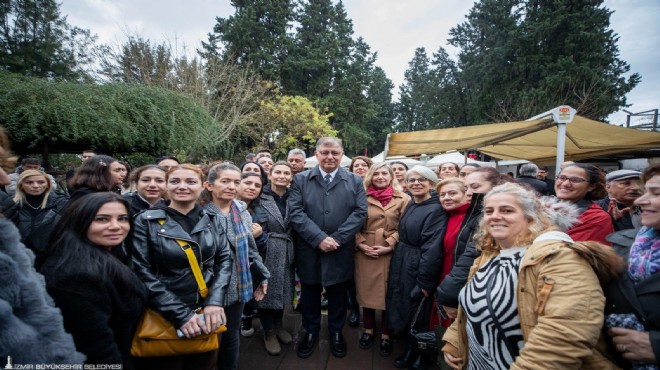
[
  {"x": 414, "y": 110},
  {"x": 255, "y": 36},
  {"x": 35, "y": 40}
]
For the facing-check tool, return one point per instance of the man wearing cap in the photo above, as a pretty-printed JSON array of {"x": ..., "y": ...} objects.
[{"x": 623, "y": 187}]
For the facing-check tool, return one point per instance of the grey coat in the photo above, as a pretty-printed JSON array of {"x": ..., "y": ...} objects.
[
  {"x": 316, "y": 212},
  {"x": 279, "y": 255},
  {"x": 224, "y": 222},
  {"x": 32, "y": 327}
]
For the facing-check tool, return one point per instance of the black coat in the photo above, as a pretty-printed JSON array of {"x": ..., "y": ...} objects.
[
  {"x": 451, "y": 285},
  {"x": 417, "y": 259},
  {"x": 162, "y": 265},
  {"x": 642, "y": 299},
  {"x": 316, "y": 212},
  {"x": 100, "y": 311},
  {"x": 539, "y": 186},
  {"x": 35, "y": 230}
]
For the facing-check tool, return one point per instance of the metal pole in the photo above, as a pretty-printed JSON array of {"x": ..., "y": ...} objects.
[
  {"x": 561, "y": 143},
  {"x": 655, "y": 120}
]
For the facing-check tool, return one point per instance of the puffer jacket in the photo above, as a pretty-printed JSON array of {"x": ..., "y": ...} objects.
[
  {"x": 35, "y": 230},
  {"x": 163, "y": 266},
  {"x": 560, "y": 305}
]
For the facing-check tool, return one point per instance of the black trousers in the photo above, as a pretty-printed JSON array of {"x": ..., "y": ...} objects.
[{"x": 310, "y": 301}]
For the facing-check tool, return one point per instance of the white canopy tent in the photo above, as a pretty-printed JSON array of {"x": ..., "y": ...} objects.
[
  {"x": 312, "y": 161},
  {"x": 455, "y": 157},
  {"x": 380, "y": 158}
]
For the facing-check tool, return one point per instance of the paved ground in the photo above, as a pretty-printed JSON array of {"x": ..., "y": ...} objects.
[{"x": 254, "y": 356}]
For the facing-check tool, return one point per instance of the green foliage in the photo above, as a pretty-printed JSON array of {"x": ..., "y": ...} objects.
[
  {"x": 113, "y": 118},
  {"x": 519, "y": 58},
  {"x": 297, "y": 123},
  {"x": 255, "y": 36},
  {"x": 36, "y": 41}
]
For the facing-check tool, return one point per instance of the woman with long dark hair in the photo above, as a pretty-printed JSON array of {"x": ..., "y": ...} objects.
[
  {"x": 233, "y": 218},
  {"x": 101, "y": 299},
  {"x": 92, "y": 176},
  {"x": 583, "y": 184},
  {"x": 160, "y": 263},
  {"x": 36, "y": 209}
]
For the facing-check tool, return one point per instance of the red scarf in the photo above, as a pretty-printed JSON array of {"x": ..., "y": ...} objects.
[{"x": 382, "y": 195}]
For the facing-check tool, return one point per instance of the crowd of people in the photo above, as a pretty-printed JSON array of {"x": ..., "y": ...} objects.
[{"x": 510, "y": 273}]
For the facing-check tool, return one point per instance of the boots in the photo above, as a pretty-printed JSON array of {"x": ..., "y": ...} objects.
[
  {"x": 407, "y": 359},
  {"x": 270, "y": 342}
]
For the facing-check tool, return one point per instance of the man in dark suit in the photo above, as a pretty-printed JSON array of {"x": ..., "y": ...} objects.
[
  {"x": 527, "y": 175},
  {"x": 327, "y": 206}
]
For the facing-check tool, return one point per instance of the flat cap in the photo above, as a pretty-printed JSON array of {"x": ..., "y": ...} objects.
[{"x": 622, "y": 175}]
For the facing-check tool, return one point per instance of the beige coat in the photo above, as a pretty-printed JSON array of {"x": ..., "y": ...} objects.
[
  {"x": 560, "y": 306},
  {"x": 379, "y": 229}
]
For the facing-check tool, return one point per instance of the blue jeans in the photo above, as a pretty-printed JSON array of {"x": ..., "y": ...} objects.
[{"x": 231, "y": 340}]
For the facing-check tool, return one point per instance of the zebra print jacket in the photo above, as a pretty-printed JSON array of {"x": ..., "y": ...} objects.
[{"x": 560, "y": 305}]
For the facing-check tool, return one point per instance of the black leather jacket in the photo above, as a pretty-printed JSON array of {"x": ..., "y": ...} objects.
[
  {"x": 162, "y": 265},
  {"x": 35, "y": 230}
]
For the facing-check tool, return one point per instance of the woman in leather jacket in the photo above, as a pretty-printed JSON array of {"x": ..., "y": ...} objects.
[
  {"x": 162, "y": 265},
  {"x": 36, "y": 209}
]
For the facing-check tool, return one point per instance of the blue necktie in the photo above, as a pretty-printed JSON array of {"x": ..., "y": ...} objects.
[{"x": 327, "y": 178}]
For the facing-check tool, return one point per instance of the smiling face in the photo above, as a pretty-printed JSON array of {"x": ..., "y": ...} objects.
[
  {"x": 184, "y": 186},
  {"x": 281, "y": 176},
  {"x": 151, "y": 185},
  {"x": 118, "y": 172},
  {"x": 249, "y": 188},
  {"x": 35, "y": 185},
  {"x": 381, "y": 178},
  {"x": 504, "y": 219},
  {"x": 572, "y": 184},
  {"x": 225, "y": 187},
  {"x": 399, "y": 172},
  {"x": 452, "y": 196},
  {"x": 329, "y": 156},
  {"x": 360, "y": 168},
  {"x": 649, "y": 203},
  {"x": 418, "y": 185},
  {"x": 266, "y": 163},
  {"x": 110, "y": 226}
]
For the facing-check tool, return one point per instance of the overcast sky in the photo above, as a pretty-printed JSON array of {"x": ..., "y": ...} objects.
[{"x": 393, "y": 29}]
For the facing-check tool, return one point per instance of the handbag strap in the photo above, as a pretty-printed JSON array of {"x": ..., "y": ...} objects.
[
  {"x": 194, "y": 265},
  {"x": 419, "y": 309}
]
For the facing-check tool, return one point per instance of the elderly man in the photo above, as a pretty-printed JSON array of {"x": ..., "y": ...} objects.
[
  {"x": 527, "y": 175},
  {"x": 328, "y": 206},
  {"x": 296, "y": 159},
  {"x": 623, "y": 187}
]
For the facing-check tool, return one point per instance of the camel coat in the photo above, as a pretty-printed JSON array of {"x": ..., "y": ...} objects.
[{"x": 379, "y": 229}]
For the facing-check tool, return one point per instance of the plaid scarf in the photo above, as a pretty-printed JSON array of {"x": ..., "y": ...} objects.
[
  {"x": 242, "y": 260},
  {"x": 644, "y": 259}
]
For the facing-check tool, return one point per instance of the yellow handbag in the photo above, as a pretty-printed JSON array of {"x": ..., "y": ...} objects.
[{"x": 157, "y": 337}]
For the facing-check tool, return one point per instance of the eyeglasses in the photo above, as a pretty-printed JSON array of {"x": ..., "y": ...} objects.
[
  {"x": 572, "y": 180},
  {"x": 420, "y": 180},
  {"x": 329, "y": 152}
]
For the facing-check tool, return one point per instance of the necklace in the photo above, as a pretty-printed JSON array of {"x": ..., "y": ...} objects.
[{"x": 31, "y": 206}]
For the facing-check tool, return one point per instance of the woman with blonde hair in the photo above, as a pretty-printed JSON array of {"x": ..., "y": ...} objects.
[
  {"x": 376, "y": 242},
  {"x": 534, "y": 298},
  {"x": 36, "y": 209}
]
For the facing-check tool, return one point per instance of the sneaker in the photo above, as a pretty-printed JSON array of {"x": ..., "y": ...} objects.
[
  {"x": 283, "y": 335},
  {"x": 272, "y": 345},
  {"x": 247, "y": 331}
]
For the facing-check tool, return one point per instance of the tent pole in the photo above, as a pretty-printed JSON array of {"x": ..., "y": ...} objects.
[
  {"x": 387, "y": 147},
  {"x": 561, "y": 144}
]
